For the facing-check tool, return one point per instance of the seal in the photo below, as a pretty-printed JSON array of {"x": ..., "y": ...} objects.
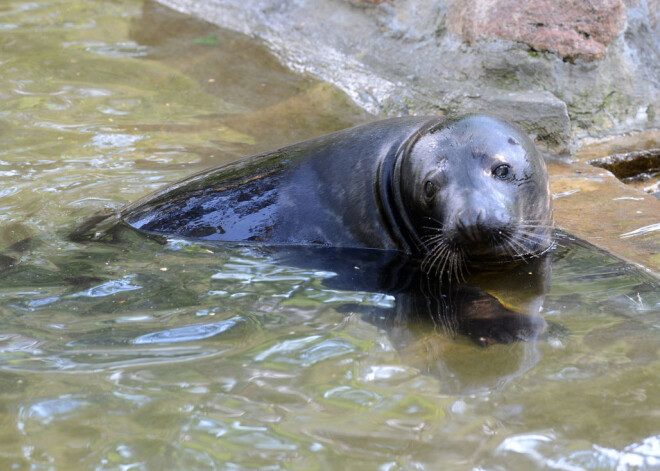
[{"x": 453, "y": 191}]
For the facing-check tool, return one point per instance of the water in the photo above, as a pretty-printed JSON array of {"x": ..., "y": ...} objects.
[{"x": 132, "y": 354}]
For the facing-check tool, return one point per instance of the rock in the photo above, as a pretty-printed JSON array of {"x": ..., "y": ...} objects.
[
  {"x": 637, "y": 165},
  {"x": 370, "y": 2},
  {"x": 575, "y": 29},
  {"x": 401, "y": 57},
  {"x": 633, "y": 158}
]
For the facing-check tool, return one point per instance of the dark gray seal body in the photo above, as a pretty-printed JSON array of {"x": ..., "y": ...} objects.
[{"x": 454, "y": 191}]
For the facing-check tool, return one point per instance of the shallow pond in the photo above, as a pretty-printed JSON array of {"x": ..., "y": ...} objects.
[{"x": 134, "y": 354}]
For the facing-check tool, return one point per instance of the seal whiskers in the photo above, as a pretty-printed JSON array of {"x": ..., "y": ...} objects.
[
  {"x": 440, "y": 253},
  {"x": 525, "y": 243},
  {"x": 518, "y": 240}
]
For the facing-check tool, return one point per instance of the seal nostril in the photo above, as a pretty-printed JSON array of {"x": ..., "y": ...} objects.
[
  {"x": 480, "y": 220},
  {"x": 468, "y": 224}
]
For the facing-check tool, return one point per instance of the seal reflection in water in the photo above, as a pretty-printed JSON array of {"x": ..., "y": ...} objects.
[{"x": 454, "y": 194}]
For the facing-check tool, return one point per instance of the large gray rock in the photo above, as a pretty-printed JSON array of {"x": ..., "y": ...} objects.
[{"x": 424, "y": 56}]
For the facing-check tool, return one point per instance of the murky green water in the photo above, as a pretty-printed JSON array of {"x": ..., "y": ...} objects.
[{"x": 137, "y": 355}]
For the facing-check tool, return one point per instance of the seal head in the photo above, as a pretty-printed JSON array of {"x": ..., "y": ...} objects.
[{"x": 473, "y": 189}]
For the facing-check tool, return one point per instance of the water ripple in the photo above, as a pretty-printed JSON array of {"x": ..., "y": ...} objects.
[
  {"x": 47, "y": 410},
  {"x": 188, "y": 333},
  {"x": 115, "y": 140},
  {"x": 286, "y": 347},
  {"x": 110, "y": 287}
]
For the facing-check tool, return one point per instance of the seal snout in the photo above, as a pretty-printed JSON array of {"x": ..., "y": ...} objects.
[
  {"x": 475, "y": 228},
  {"x": 469, "y": 224}
]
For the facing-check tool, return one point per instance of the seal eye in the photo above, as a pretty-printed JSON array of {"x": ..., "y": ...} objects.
[
  {"x": 502, "y": 171},
  {"x": 429, "y": 189}
]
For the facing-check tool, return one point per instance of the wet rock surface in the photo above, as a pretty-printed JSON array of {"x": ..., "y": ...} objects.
[
  {"x": 633, "y": 158},
  {"x": 592, "y": 204},
  {"x": 638, "y": 165}
]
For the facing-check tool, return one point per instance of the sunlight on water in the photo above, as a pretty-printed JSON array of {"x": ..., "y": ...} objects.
[
  {"x": 188, "y": 333},
  {"x": 142, "y": 354}
]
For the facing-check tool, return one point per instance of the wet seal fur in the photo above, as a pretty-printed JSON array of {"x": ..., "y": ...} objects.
[{"x": 453, "y": 191}]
